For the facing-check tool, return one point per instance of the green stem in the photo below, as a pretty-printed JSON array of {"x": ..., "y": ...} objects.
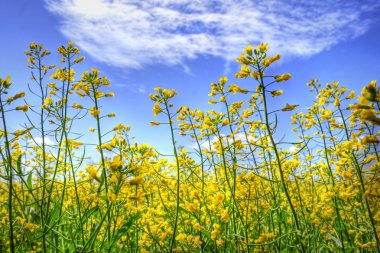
[
  {"x": 172, "y": 241},
  {"x": 333, "y": 184},
  {"x": 104, "y": 172},
  {"x": 359, "y": 172},
  {"x": 42, "y": 206},
  {"x": 274, "y": 145},
  {"x": 10, "y": 175}
]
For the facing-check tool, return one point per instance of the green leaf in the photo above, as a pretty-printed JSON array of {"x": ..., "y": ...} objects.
[
  {"x": 29, "y": 181},
  {"x": 54, "y": 215},
  {"x": 88, "y": 214},
  {"x": 19, "y": 165}
]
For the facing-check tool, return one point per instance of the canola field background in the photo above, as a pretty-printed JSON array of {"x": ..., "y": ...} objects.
[{"x": 240, "y": 189}]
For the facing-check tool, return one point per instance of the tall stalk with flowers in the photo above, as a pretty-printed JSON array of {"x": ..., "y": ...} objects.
[
  {"x": 162, "y": 98},
  {"x": 7, "y": 162},
  {"x": 255, "y": 62}
]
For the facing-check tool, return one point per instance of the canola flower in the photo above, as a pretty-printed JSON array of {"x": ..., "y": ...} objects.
[
  {"x": 236, "y": 190},
  {"x": 23, "y": 108}
]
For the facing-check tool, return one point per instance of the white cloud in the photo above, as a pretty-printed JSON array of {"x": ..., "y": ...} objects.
[
  {"x": 226, "y": 140},
  {"x": 135, "y": 88},
  {"x": 38, "y": 140},
  {"x": 292, "y": 149},
  {"x": 134, "y": 33}
]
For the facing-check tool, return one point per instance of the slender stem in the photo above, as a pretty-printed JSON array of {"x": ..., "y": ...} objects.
[
  {"x": 10, "y": 179},
  {"x": 359, "y": 172},
  {"x": 42, "y": 206},
  {"x": 172, "y": 241},
  {"x": 333, "y": 184},
  {"x": 274, "y": 145},
  {"x": 104, "y": 172}
]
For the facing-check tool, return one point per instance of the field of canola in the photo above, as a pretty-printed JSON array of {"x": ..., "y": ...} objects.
[{"x": 239, "y": 190}]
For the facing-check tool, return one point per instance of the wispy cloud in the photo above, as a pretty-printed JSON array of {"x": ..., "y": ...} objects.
[
  {"x": 134, "y": 33},
  {"x": 226, "y": 140},
  {"x": 133, "y": 87},
  {"x": 38, "y": 140}
]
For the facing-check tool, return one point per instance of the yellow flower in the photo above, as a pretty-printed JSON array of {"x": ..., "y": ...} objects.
[
  {"x": 107, "y": 146},
  {"x": 289, "y": 107},
  {"x": 247, "y": 113},
  {"x": 370, "y": 115},
  {"x": 351, "y": 95},
  {"x": 224, "y": 216},
  {"x": 369, "y": 91},
  {"x": 111, "y": 197},
  {"x": 8, "y": 80},
  {"x": 276, "y": 93},
  {"x": 19, "y": 95},
  {"x": 219, "y": 242},
  {"x": 169, "y": 93},
  {"x": 326, "y": 114},
  {"x": 248, "y": 49},
  {"x": 181, "y": 237},
  {"x": 99, "y": 94},
  {"x": 116, "y": 163},
  {"x": 32, "y": 45},
  {"x": 215, "y": 231},
  {"x": 244, "y": 71},
  {"x": 336, "y": 102},
  {"x": 270, "y": 60},
  {"x": 234, "y": 89},
  {"x": 358, "y": 106},
  {"x": 110, "y": 94},
  {"x": 48, "y": 101},
  {"x": 158, "y": 89},
  {"x": 225, "y": 122},
  {"x": 370, "y": 139},
  {"x": 119, "y": 127},
  {"x": 23, "y": 108},
  {"x": 198, "y": 227},
  {"x": 20, "y": 132},
  {"x": 137, "y": 180},
  {"x": 63, "y": 75},
  {"x": 262, "y": 47},
  {"x": 283, "y": 77},
  {"x": 75, "y": 144},
  {"x": 78, "y": 60},
  {"x": 62, "y": 50},
  {"x": 377, "y": 216},
  {"x": 156, "y": 109},
  {"x": 92, "y": 173},
  {"x": 223, "y": 80},
  {"x": 91, "y": 129},
  {"x": 32, "y": 60},
  {"x": 154, "y": 123},
  {"x": 242, "y": 59},
  {"x": 255, "y": 75},
  {"x": 10, "y": 99},
  {"x": 94, "y": 112}
]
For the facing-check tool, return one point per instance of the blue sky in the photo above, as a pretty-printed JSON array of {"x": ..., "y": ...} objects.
[{"x": 186, "y": 44}]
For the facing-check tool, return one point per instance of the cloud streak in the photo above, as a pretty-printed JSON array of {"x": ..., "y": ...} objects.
[
  {"x": 38, "y": 140},
  {"x": 135, "y": 33}
]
